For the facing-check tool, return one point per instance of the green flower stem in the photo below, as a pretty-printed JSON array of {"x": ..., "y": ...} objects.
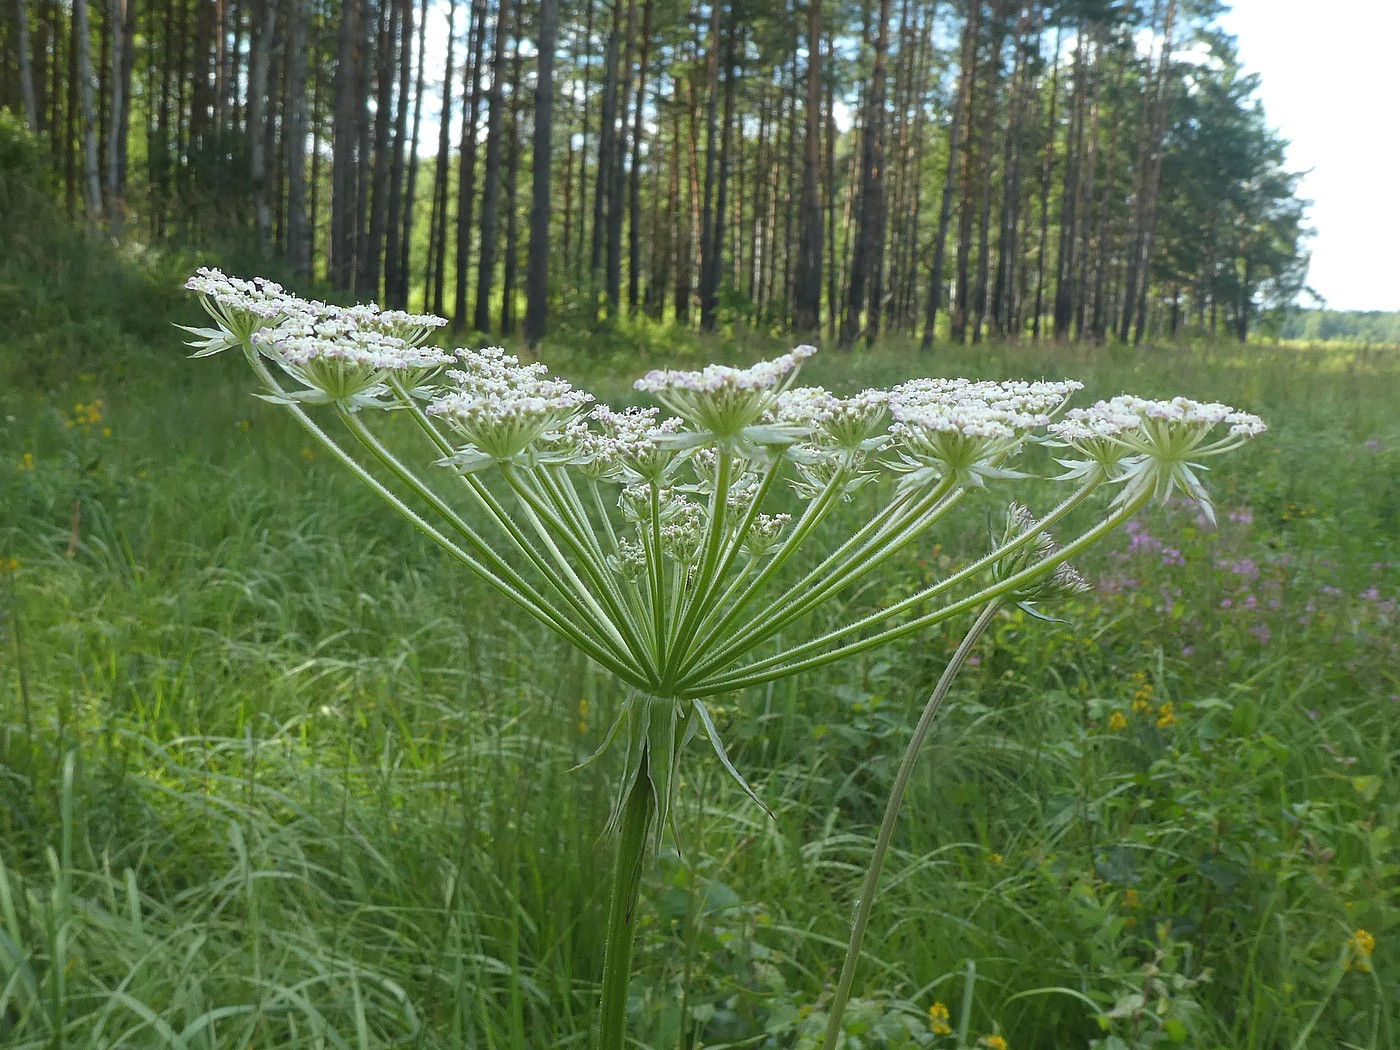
[
  {"x": 582, "y": 537},
  {"x": 963, "y": 574},
  {"x": 868, "y": 888},
  {"x": 703, "y": 605},
  {"x": 599, "y": 626},
  {"x": 751, "y": 675},
  {"x": 531, "y": 603},
  {"x": 539, "y": 515},
  {"x": 502, "y": 517},
  {"x": 812, "y": 516},
  {"x": 808, "y": 592},
  {"x": 622, "y": 912},
  {"x": 709, "y": 572}
]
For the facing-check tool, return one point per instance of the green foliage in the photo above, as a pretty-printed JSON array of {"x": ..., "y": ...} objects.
[{"x": 273, "y": 773}]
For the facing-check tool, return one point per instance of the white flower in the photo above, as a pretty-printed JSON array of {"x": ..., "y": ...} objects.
[
  {"x": 964, "y": 430},
  {"x": 338, "y": 360},
  {"x": 1157, "y": 443},
  {"x": 501, "y": 407},
  {"x": 725, "y": 404},
  {"x": 239, "y": 308}
]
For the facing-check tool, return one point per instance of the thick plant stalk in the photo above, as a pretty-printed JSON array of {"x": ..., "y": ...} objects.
[
  {"x": 622, "y": 912},
  {"x": 882, "y": 842}
]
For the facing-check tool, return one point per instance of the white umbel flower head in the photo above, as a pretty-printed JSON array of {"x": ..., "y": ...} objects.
[
  {"x": 502, "y": 407},
  {"x": 724, "y": 405},
  {"x": 629, "y": 446},
  {"x": 857, "y": 423},
  {"x": 338, "y": 360},
  {"x": 964, "y": 430},
  {"x": 1165, "y": 441},
  {"x": 239, "y": 308}
]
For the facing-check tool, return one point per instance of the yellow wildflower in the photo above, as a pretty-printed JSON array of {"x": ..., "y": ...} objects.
[
  {"x": 993, "y": 1042},
  {"x": 994, "y": 858},
  {"x": 1130, "y": 898},
  {"x": 9, "y": 564},
  {"x": 583, "y": 715},
  {"x": 308, "y": 454},
  {"x": 1166, "y": 716},
  {"x": 1116, "y": 722},
  {"x": 1141, "y": 706},
  {"x": 938, "y": 1018},
  {"x": 1362, "y": 944},
  {"x": 26, "y": 462}
]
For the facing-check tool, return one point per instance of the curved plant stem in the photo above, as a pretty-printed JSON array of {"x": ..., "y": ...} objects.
[
  {"x": 622, "y": 912},
  {"x": 882, "y": 842}
]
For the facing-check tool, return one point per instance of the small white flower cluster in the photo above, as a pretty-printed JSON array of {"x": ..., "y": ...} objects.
[
  {"x": 502, "y": 407},
  {"x": 341, "y": 355},
  {"x": 630, "y": 446},
  {"x": 965, "y": 430},
  {"x": 856, "y": 423},
  {"x": 725, "y": 404},
  {"x": 1151, "y": 445}
]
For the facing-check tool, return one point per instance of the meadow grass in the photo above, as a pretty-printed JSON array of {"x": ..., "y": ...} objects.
[{"x": 274, "y": 773}]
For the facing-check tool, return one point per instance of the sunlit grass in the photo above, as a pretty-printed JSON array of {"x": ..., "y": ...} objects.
[{"x": 273, "y": 774}]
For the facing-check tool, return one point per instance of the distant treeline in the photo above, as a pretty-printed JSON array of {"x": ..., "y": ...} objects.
[
  {"x": 1082, "y": 169},
  {"x": 1361, "y": 326}
]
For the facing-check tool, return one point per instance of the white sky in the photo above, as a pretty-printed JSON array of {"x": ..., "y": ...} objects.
[{"x": 1331, "y": 86}]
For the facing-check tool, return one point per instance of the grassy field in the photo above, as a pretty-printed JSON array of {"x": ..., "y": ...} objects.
[{"x": 274, "y": 774}]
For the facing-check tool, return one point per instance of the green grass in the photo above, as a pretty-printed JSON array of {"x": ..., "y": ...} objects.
[{"x": 274, "y": 773}]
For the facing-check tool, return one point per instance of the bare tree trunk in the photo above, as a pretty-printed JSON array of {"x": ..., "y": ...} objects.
[
  {"x": 807, "y": 290},
  {"x": 967, "y": 62},
  {"x": 1046, "y": 170},
  {"x": 512, "y": 252},
  {"x": 634, "y": 188},
  {"x": 707, "y": 221},
  {"x": 400, "y": 299},
  {"x": 294, "y": 140},
  {"x": 117, "y": 14},
  {"x": 26, "y": 67},
  {"x": 264, "y": 28},
  {"x": 491, "y": 187},
  {"x": 383, "y": 122},
  {"x": 344, "y": 180},
  {"x": 537, "y": 276},
  {"x": 607, "y": 134},
  {"x": 870, "y": 217},
  {"x": 92, "y": 185},
  {"x": 395, "y": 276},
  {"x": 466, "y": 158},
  {"x": 437, "y": 223}
]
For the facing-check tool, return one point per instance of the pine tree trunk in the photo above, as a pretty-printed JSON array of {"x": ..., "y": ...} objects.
[
  {"x": 709, "y": 266},
  {"x": 512, "y": 246},
  {"x": 26, "y": 66},
  {"x": 967, "y": 61},
  {"x": 466, "y": 176},
  {"x": 807, "y": 287},
  {"x": 264, "y": 28},
  {"x": 870, "y": 218},
  {"x": 491, "y": 185},
  {"x": 394, "y": 273},
  {"x": 607, "y": 134},
  {"x": 634, "y": 188},
  {"x": 436, "y": 275},
  {"x": 537, "y": 277},
  {"x": 343, "y": 166},
  {"x": 411, "y": 189}
]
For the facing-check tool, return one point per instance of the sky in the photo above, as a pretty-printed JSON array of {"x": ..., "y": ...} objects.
[{"x": 1331, "y": 86}]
